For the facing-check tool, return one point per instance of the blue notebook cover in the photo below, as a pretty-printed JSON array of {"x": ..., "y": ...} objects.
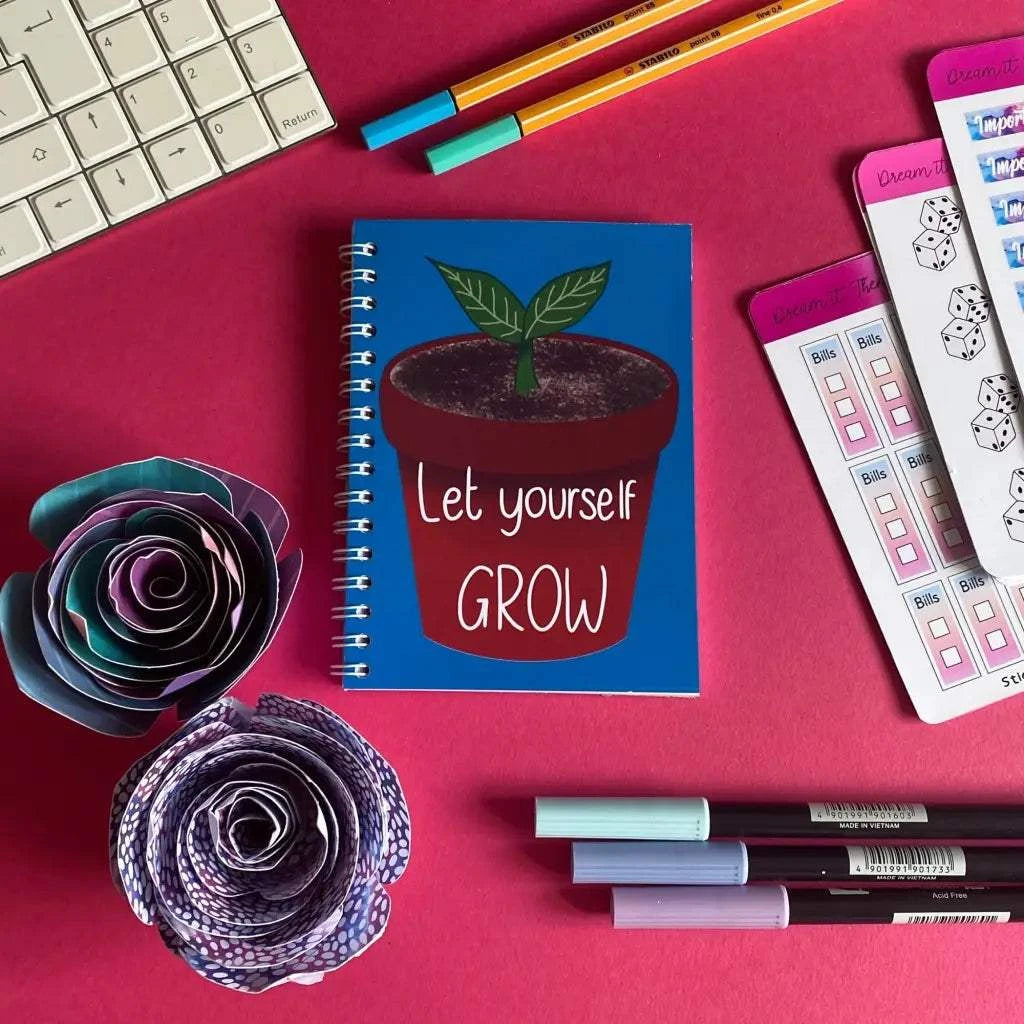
[{"x": 531, "y": 526}]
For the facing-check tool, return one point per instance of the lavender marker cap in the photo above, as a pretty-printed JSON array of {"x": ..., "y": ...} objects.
[
  {"x": 622, "y": 818},
  {"x": 706, "y": 906},
  {"x": 659, "y": 863}
]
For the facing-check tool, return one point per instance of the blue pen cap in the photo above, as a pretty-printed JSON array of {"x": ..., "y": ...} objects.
[
  {"x": 659, "y": 863},
  {"x": 408, "y": 120}
]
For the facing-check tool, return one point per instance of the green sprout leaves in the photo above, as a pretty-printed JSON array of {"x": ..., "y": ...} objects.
[{"x": 493, "y": 308}]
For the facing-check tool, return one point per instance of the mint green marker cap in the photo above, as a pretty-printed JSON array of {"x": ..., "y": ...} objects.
[
  {"x": 472, "y": 145},
  {"x": 622, "y": 818}
]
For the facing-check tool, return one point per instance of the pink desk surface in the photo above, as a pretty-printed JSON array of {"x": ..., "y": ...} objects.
[{"x": 209, "y": 330}]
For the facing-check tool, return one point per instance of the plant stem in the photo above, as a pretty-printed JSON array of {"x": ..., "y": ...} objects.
[{"x": 526, "y": 376}]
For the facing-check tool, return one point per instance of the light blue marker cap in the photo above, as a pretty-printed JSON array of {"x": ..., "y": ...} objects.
[
  {"x": 408, "y": 120},
  {"x": 474, "y": 144},
  {"x": 659, "y": 863},
  {"x": 622, "y": 818}
]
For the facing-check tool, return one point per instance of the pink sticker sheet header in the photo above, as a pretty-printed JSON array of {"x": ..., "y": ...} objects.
[
  {"x": 904, "y": 171},
  {"x": 969, "y": 70},
  {"x": 817, "y": 298}
]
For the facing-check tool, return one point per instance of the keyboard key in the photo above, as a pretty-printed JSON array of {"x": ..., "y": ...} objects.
[
  {"x": 184, "y": 26},
  {"x": 296, "y": 110},
  {"x": 20, "y": 103},
  {"x": 155, "y": 104},
  {"x": 99, "y": 12},
  {"x": 68, "y": 212},
  {"x": 269, "y": 53},
  {"x": 128, "y": 48},
  {"x": 239, "y": 134},
  {"x": 236, "y": 15},
  {"x": 99, "y": 129},
  {"x": 212, "y": 79},
  {"x": 36, "y": 158},
  {"x": 21, "y": 240},
  {"x": 126, "y": 186},
  {"x": 183, "y": 160},
  {"x": 49, "y": 36}
]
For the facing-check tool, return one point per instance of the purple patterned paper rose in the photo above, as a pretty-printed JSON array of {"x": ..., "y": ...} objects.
[
  {"x": 162, "y": 590},
  {"x": 259, "y": 841}
]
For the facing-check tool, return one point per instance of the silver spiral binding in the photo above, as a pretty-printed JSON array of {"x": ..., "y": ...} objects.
[{"x": 352, "y": 555}]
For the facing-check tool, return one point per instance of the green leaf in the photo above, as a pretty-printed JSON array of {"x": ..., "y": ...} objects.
[
  {"x": 486, "y": 301},
  {"x": 565, "y": 300}
]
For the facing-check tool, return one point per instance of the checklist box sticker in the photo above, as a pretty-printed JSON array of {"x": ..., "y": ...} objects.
[
  {"x": 891, "y": 391},
  {"x": 897, "y": 528},
  {"x": 834, "y": 382},
  {"x": 996, "y": 640},
  {"x": 938, "y": 628},
  {"x": 885, "y": 503},
  {"x": 951, "y": 657},
  {"x": 901, "y": 415},
  {"x": 941, "y": 512},
  {"x": 931, "y": 487},
  {"x": 880, "y": 367},
  {"x": 984, "y": 611},
  {"x": 845, "y": 407},
  {"x": 855, "y": 431},
  {"x": 954, "y": 538},
  {"x": 906, "y": 553}
]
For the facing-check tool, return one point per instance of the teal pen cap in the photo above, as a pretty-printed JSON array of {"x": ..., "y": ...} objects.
[
  {"x": 474, "y": 144},
  {"x": 622, "y": 818}
]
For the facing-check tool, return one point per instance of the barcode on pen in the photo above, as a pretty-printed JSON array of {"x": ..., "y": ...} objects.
[
  {"x": 869, "y": 814},
  {"x": 907, "y": 861},
  {"x": 994, "y": 917}
]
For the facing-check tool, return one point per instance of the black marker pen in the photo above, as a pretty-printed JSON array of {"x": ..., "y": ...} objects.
[
  {"x": 775, "y": 906},
  {"x": 737, "y": 863},
  {"x": 672, "y": 818}
]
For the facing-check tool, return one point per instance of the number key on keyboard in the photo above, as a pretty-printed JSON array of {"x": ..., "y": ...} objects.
[
  {"x": 184, "y": 26},
  {"x": 269, "y": 53},
  {"x": 295, "y": 110},
  {"x": 21, "y": 241},
  {"x": 155, "y": 104},
  {"x": 126, "y": 186},
  {"x": 128, "y": 48},
  {"x": 182, "y": 160},
  {"x": 35, "y": 158},
  {"x": 50, "y": 37},
  {"x": 68, "y": 212},
  {"x": 236, "y": 15},
  {"x": 99, "y": 129},
  {"x": 99, "y": 12},
  {"x": 20, "y": 103},
  {"x": 212, "y": 78},
  {"x": 239, "y": 134}
]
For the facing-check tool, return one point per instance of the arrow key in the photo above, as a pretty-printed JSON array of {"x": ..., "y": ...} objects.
[
  {"x": 126, "y": 186},
  {"x": 68, "y": 212},
  {"x": 183, "y": 160},
  {"x": 98, "y": 129}
]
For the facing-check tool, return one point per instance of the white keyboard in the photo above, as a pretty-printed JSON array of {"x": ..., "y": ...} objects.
[{"x": 109, "y": 108}]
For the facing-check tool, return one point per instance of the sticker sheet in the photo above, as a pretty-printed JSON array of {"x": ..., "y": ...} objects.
[
  {"x": 979, "y": 97},
  {"x": 955, "y": 633},
  {"x": 955, "y": 342}
]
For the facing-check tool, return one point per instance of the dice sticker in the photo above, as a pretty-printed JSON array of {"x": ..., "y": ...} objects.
[
  {"x": 1013, "y": 517},
  {"x": 994, "y": 429},
  {"x": 963, "y": 337},
  {"x": 941, "y": 218}
]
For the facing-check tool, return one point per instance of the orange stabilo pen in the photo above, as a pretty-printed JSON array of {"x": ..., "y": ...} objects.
[
  {"x": 558, "y": 54},
  {"x": 513, "y": 127}
]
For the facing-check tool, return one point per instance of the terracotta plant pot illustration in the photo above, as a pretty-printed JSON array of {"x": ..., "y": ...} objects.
[{"x": 527, "y": 480}]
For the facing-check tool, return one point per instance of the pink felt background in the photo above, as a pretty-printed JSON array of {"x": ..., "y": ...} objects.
[{"x": 209, "y": 330}]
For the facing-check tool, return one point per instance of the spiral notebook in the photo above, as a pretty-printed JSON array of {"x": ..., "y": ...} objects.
[{"x": 517, "y": 458}]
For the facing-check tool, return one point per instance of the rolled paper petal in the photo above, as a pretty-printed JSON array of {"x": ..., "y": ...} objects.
[
  {"x": 57, "y": 511},
  {"x": 243, "y": 838},
  {"x": 163, "y": 590}
]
